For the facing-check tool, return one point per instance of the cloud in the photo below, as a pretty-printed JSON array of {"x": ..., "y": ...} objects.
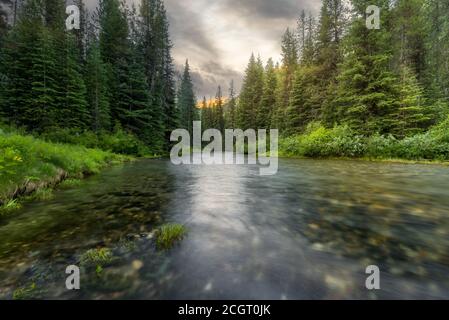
[
  {"x": 264, "y": 10},
  {"x": 209, "y": 75},
  {"x": 187, "y": 29},
  {"x": 218, "y": 36}
]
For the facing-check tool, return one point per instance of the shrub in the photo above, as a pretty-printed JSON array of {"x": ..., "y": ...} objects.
[
  {"x": 378, "y": 146},
  {"x": 120, "y": 141},
  {"x": 320, "y": 142},
  {"x": 341, "y": 141}
]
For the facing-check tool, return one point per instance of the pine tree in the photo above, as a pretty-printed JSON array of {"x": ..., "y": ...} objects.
[
  {"x": 3, "y": 19},
  {"x": 156, "y": 47},
  {"x": 3, "y": 33},
  {"x": 366, "y": 96},
  {"x": 412, "y": 116},
  {"x": 135, "y": 101},
  {"x": 41, "y": 106},
  {"x": 409, "y": 35},
  {"x": 309, "y": 50},
  {"x": 290, "y": 62},
  {"x": 31, "y": 69},
  {"x": 332, "y": 25},
  {"x": 97, "y": 90},
  {"x": 302, "y": 33},
  {"x": 231, "y": 108},
  {"x": 73, "y": 112},
  {"x": 217, "y": 113},
  {"x": 187, "y": 101},
  {"x": 206, "y": 115},
  {"x": 436, "y": 72},
  {"x": 251, "y": 94},
  {"x": 115, "y": 50},
  {"x": 303, "y": 105},
  {"x": 268, "y": 101}
]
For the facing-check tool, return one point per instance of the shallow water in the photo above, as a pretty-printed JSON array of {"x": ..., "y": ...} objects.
[{"x": 307, "y": 233}]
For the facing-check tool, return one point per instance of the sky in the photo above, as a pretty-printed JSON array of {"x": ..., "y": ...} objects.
[{"x": 218, "y": 36}]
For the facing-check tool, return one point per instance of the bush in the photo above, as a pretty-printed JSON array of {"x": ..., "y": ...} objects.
[
  {"x": 378, "y": 146},
  {"x": 119, "y": 142},
  {"x": 341, "y": 141},
  {"x": 423, "y": 146},
  {"x": 320, "y": 142}
]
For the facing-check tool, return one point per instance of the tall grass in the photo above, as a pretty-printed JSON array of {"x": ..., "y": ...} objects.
[
  {"x": 169, "y": 234},
  {"x": 27, "y": 159}
]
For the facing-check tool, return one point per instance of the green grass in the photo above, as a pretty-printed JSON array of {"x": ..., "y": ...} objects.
[
  {"x": 25, "y": 293},
  {"x": 70, "y": 183},
  {"x": 9, "y": 207},
  {"x": 98, "y": 257},
  {"x": 41, "y": 194},
  {"x": 169, "y": 234},
  {"x": 25, "y": 159}
]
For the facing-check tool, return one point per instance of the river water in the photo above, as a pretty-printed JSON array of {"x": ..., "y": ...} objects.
[{"x": 308, "y": 232}]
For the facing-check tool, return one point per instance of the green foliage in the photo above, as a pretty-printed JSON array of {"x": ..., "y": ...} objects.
[
  {"x": 9, "y": 207},
  {"x": 97, "y": 90},
  {"x": 268, "y": 101},
  {"x": 187, "y": 101},
  {"x": 97, "y": 257},
  {"x": 251, "y": 94},
  {"x": 169, "y": 234},
  {"x": 116, "y": 71},
  {"x": 28, "y": 158},
  {"x": 119, "y": 142},
  {"x": 319, "y": 141},
  {"x": 26, "y": 293},
  {"x": 70, "y": 183},
  {"x": 41, "y": 194}
]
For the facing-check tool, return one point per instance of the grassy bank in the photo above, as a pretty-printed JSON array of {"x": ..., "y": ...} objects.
[
  {"x": 342, "y": 142},
  {"x": 28, "y": 164}
]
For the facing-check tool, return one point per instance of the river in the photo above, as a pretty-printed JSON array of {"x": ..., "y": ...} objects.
[{"x": 308, "y": 232}]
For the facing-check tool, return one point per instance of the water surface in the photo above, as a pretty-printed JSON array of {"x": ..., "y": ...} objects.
[{"x": 307, "y": 233}]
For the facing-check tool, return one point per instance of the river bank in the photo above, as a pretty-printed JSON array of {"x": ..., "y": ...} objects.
[
  {"x": 341, "y": 142},
  {"x": 29, "y": 165}
]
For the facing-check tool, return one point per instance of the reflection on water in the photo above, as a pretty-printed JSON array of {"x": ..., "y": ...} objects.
[{"x": 307, "y": 233}]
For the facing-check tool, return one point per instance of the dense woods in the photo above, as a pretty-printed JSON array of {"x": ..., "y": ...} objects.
[
  {"x": 337, "y": 73},
  {"x": 112, "y": 77},
  {"x": 112, "y": 83}
]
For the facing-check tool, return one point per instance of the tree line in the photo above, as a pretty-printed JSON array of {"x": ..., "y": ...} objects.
[
  {"x": 115, "y": 73},
  {"x": 336, "y": 71}
]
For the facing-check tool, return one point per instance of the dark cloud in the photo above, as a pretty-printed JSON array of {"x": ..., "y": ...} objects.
[
  {"x": 269, "y": 9},
  {"x": 187, "y": 29}
]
